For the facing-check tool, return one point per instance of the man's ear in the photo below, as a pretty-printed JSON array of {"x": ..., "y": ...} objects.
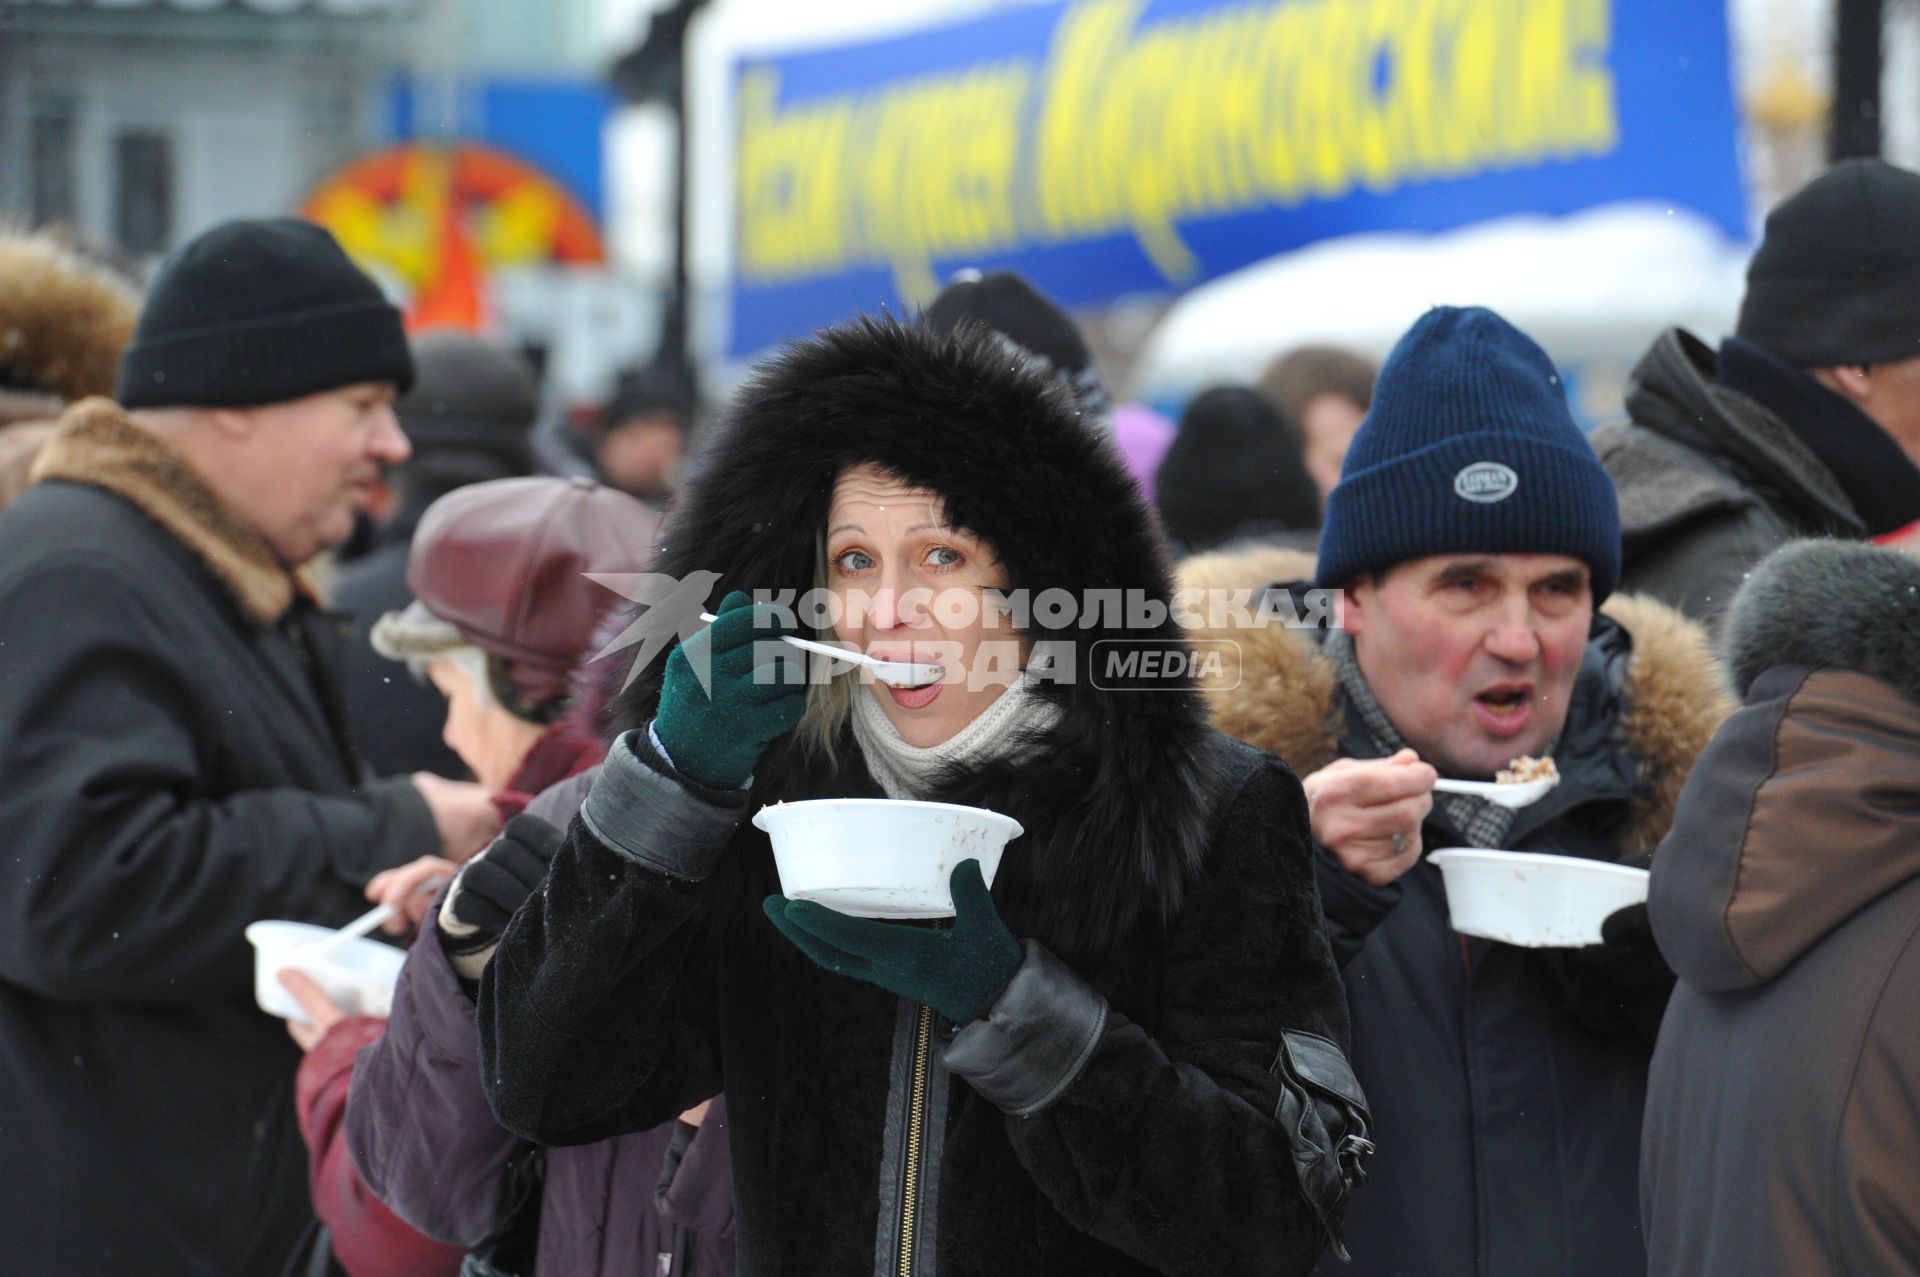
[
  {"x": 1852, "y": 382},
  {"x": 1354, "y": 598},
  {"x": 234, "y": 423}
]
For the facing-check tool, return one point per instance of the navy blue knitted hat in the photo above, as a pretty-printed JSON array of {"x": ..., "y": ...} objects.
[{"x": 1469, "y": 448}]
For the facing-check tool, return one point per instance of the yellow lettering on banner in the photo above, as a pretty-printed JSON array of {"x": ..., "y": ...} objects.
[
  {"x": 1376, "y": 160},
  {"x": 1148, "y": 76},
  {"x": 788, "y": 214},
  {"x": 923, "y": 169},
  {"x": 1596, "y": 117},
  {"x": 1329, "y": 160},
  {"x": 1072, "y": 198},
  {"x": 932, "y": 168},
  {"x": 1411, "y": 115},
  {"x": 1471, "y": 133},
  {"x": 1278, "y": 52},
  {"x": 1134, "y": 129}
]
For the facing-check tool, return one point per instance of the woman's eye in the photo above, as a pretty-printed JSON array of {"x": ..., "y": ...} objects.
[
  {"x": 943, "y": 556},
  {"x": 853, "y": 561}
]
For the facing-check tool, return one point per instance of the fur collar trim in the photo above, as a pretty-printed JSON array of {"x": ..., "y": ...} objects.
[
  {"x": 1838, "y": 605},
  {"x": 1117, "y": 797},
  {"x": 99, "y": 445},
  {"x": 63, "y": 320},
  {"x": 1286, "y": 696}
]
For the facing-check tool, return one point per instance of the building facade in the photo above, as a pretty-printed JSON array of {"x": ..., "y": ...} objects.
[{"x": 139, "y": 125}]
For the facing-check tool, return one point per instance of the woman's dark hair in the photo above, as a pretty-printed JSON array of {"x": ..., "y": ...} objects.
[{"x": 510, "y": 698}]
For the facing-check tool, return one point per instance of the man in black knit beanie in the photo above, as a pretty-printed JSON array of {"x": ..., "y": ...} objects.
[
  {"x": 1806, "y": 422},
  {"x": 178, "y": 765}
]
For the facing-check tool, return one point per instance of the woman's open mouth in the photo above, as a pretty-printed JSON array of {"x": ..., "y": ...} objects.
[{"x": 916, "y": 696}]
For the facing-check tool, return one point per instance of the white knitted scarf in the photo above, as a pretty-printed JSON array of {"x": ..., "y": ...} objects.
[{"x": 908, "y": 771}]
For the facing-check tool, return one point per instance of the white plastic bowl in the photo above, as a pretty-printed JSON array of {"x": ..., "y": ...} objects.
[
  {"x": 358, "y": 976},
  {"x": 1534, "y": 899},
  {"x": 881, "y": 857}
]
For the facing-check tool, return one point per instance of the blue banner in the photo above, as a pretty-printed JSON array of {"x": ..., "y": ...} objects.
[{"x": 1109, "y": 147}]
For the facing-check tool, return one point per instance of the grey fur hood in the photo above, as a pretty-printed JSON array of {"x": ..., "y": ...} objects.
[
  {"x": 1833, "y": 605},
  {"x": 1805, "y": 808}
]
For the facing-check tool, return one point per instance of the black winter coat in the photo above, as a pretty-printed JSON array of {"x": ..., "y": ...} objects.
[
  {"x": 1507, "y": 1083},
  {"x": 1710, "y": 482},
  {"x": 1132, "y": 1131},
  {"x": 396, "y": 720},
  {"x": 175, "y": 769},
  {"x": 1548, "y": 1136},
  {"x": 1133, "y": 1101}
]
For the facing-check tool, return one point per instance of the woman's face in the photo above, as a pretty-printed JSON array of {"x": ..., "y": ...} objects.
[
  {"x": 490, "y": 741},
  {"x": 911, "y": 588}
]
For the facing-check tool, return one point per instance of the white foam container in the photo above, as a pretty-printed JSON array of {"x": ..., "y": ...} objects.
[
  {"x": 1534, "y": 899},
  {"x": 358, "y": 976},
  {"x": 881, "y": 857}
]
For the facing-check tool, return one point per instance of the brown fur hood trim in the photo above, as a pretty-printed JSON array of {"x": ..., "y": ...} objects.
[
  {"x": 1285, "y": 698},
  {"x": 63, "y": 320},
  {"x": 99, "y": 445}
]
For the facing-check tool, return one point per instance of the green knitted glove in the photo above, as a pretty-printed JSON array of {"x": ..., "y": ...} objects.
[
  {"x": 957, "y": 971},
  {"x": 716, "y": 740}
]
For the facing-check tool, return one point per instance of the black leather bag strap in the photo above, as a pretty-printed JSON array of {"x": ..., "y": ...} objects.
[{"x": 1324, "y": 1110}]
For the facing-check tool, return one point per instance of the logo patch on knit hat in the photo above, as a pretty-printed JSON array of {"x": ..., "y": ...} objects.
[{"x": 1486, "y": 482}]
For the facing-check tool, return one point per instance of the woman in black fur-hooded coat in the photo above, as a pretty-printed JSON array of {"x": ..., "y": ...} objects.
[{"x": 1158, "y": 1088}]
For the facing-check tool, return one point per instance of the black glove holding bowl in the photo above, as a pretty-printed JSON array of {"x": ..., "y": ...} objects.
[
  {"x": 489, "y": 888},
  {"x": 1621, "y": 984}
]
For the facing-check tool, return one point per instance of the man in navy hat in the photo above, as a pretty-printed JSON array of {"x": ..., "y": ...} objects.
[
  {"x": 1475, "y": 537},
  {"x": 177, "y": 765}
]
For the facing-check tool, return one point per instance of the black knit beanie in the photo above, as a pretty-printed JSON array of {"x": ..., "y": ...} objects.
[
  {"x": 1020, "y": 313},
  {"x": 472, "y": 396},
  {"x": 1837, "y": 278},
  {"x": 257, "y": 312},
  {"x": 1235, "y": 469},
  {"x": 655, "y": 389}
]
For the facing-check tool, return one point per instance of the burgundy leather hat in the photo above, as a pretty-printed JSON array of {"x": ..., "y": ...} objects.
[{"x": 504, "y": 563}]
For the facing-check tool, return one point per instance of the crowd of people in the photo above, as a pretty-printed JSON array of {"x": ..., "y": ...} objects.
[{"x": 300, "y": 612}]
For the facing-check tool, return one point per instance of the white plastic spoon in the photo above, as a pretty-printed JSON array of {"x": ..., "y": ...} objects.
[
  {"x": 898, "y": 673},
  {"x": 352, "y": 931},
  {"x": 1517, "y": 794}
]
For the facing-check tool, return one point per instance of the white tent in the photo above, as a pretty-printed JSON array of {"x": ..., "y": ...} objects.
[{"x": 1593, "y": 288}]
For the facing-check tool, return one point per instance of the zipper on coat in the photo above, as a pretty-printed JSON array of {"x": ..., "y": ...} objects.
[{"x": 916, "y": 1137}]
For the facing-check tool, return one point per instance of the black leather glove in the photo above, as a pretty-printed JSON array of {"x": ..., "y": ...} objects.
[
  {"x": 1621, "y": 984},
  {"x": 491, "y": 886}
]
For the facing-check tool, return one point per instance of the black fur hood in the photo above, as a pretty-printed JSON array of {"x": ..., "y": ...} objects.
[
  {"x": 1837, "y": 605},
  {"x": 1117, "y": 799}
]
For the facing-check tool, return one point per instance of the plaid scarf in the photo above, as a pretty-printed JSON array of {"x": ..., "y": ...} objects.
[{"x": 1478, "y": 822}]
